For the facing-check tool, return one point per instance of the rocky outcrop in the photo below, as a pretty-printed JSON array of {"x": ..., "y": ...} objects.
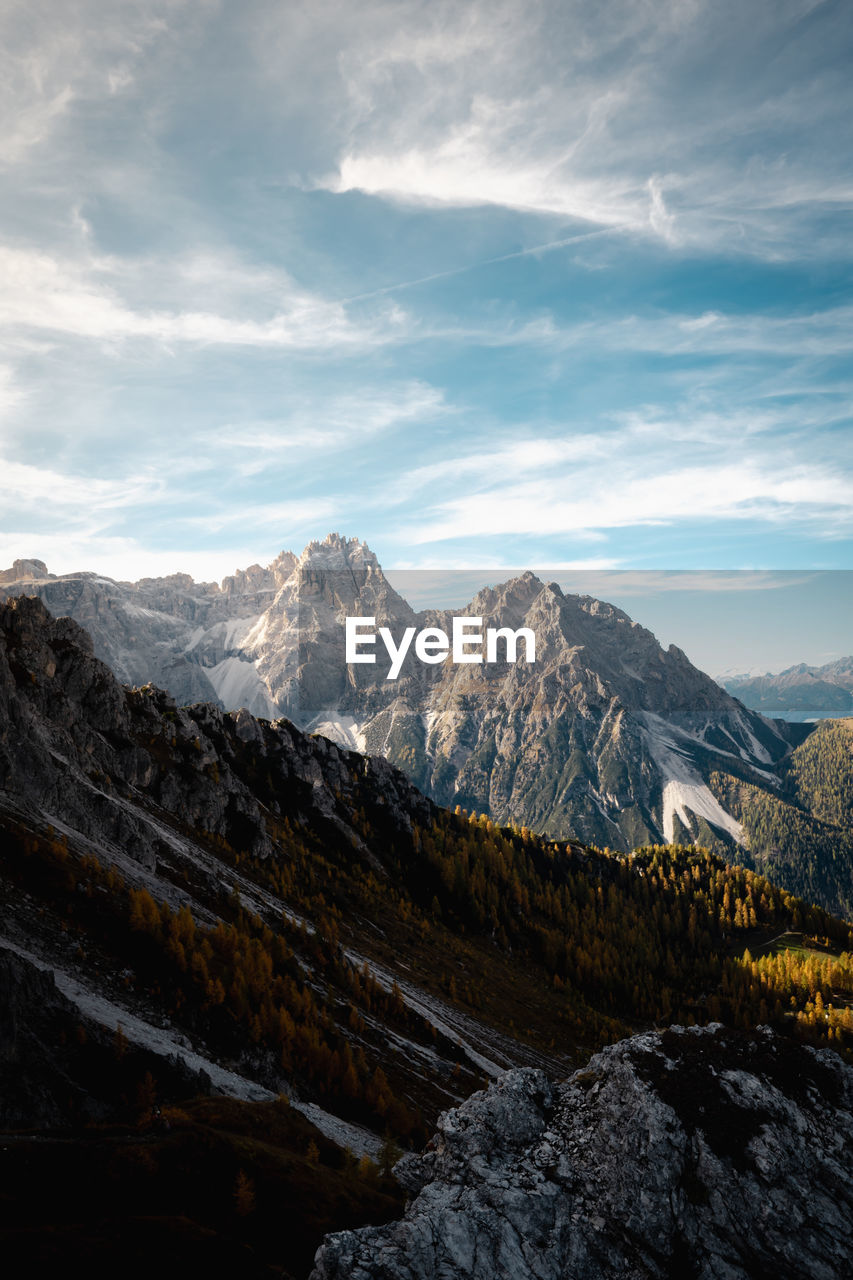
[
  {"x": 24, "y": 571},
  {"x": 688, "y": 1153}
]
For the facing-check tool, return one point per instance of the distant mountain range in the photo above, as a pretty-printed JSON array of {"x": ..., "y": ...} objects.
[
  {"x": 607, "y": 738},
  {"x": 798, "y": 693}
]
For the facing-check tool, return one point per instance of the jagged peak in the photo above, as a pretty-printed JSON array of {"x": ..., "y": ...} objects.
[
  {"x": 524, "y": 587},
  {"x": 338, "y": 552}
]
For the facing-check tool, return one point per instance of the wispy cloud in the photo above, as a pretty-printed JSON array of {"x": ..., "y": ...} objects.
[
  {"x": 426, "y": 271},
  {"x": 513, "y": 458},
  {"x": 314, "y": 424},
  {"x": 818, "y": 334},
  {"x": 62, "y": 495},
  {"x": 280, "y": 518},
  {"x": 634, "y": 117},
  {"x": 51, "y": 62},
  {"x": 732, "y": 492},
  {"x": 85, "y": 299},
  {"x": 643, "y": 468}
]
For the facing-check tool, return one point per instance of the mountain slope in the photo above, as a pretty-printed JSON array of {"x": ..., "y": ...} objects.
[
  {"x": 802, "y": 837},
  {"x": 211, "y": 835}
]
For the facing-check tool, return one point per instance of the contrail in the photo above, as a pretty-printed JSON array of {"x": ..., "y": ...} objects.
[{"x": 485, "y": 262}]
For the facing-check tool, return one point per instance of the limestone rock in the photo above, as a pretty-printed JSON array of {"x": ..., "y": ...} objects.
[{"x": 690, "y": 1153}]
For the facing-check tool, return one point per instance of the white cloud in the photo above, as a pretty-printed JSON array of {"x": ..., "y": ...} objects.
[
  {"x": 617, "y": 497},
  {"x": 84, "y": 300},
  {"x": 474, "y": 165},
  {"x": 514, "y": 457},
  {"x": 283, "y": 517},
  {"x": 12, "y": 395},
  {"x": 53, "y": 60},
  {"x": 317, "y": 423},
  {"x": 782, "y": 465},
  {"x": 666, "y": 120},
  {"x": 26, "y": 487}
]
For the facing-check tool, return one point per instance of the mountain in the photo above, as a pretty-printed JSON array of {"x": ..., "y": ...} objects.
[
  {"x": 173, "y": 632},
  {"x": 799, "y": 693},
  {"x": 683, "y": 1153},
  {"x": 241, "y": 963},
  {"x": 606, "y": 738}
]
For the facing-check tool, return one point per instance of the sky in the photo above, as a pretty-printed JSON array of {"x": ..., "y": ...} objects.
[
  {"x": 536, "y": 283},
  {"x": 729, "y": 623}
]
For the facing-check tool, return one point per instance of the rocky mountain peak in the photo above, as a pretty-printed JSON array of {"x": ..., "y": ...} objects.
[
  {"x": 258, "y": 578},
  {"x": 338, "y": 552},
  {"x": 605, "y": 737},
  {"x": 25, "y": 571}
]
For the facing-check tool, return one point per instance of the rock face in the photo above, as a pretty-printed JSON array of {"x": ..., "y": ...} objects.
[
  {"x": 607, "y": 737},
  {"x": 178, "y": 634},
  {"x": 688, "y": 1153}
]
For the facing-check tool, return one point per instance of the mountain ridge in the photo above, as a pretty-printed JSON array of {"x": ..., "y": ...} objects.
[
  {"x": 608, "y": 738},
  {"x": 682, "y": 1153},
  {"x": 800, "y": 692}
]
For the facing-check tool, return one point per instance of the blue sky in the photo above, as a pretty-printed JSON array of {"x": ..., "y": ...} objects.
[
  {"x": 483, "y": 284},
  {"x": 733, "y": 622}
]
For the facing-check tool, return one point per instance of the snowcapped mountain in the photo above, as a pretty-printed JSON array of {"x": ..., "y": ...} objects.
[{"x": 606, "y": 737}]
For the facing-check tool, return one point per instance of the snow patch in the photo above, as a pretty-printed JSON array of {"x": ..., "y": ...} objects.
[
  {"x": 680, "y": 796},
  {"x": 683, "y": 787},
  {"x": 165, "y": 619},
  {"x": 344, "y": 730},
  {"x": 228, "y": 634},
  {"x": 238, "y": 684}
]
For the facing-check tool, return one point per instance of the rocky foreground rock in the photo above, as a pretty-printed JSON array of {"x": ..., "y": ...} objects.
[{"x": 689, "y": 1153}]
